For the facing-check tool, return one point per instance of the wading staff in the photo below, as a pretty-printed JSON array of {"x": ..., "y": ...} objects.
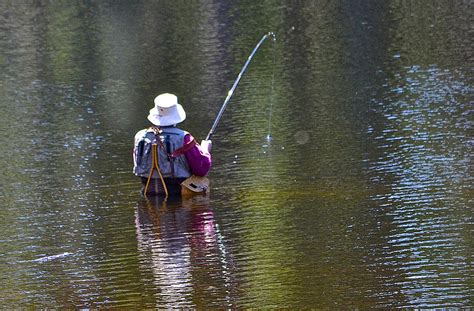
[{"x": 231, "y": 91}]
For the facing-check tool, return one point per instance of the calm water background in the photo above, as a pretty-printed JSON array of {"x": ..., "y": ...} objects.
[{"x": 363, "y": 199}]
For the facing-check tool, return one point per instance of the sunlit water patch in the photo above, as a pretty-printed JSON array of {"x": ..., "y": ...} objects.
[{"x": 341, "y": 167}]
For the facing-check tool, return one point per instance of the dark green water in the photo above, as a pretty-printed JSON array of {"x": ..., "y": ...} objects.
[{"x": 362, "y": 200}]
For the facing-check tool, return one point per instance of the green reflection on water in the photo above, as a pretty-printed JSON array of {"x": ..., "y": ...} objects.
[{"x": 361, "y": 199}]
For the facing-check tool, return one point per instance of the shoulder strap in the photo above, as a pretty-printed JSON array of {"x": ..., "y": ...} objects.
[
  {"x": 155, "y": 129},
  {"x": 182, "y": 150}
]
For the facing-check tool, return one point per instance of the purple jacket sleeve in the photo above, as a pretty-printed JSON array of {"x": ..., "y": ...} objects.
[{"x": 199, "y": 159}]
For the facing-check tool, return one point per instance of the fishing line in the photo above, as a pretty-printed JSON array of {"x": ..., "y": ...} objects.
[
  {"x": 269, "y": 135},
  {"x": 231, "y": 91}
]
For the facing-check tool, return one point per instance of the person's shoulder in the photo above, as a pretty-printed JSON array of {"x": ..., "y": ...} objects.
[
  {"x": 176, "y": 130},
  {"x": 141, "y": 133},
  {"x": 183, "y": 131}
]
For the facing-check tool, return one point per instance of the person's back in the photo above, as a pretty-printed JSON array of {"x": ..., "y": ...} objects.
[{"x": 164, "y": 155}]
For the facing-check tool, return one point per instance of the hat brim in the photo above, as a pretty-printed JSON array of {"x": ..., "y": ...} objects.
[{"x": 178, "y": 116}]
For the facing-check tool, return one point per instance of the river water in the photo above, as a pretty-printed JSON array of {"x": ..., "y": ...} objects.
[{"x": 362, "y": 199}]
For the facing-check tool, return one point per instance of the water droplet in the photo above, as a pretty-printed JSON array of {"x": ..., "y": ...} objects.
[{"x": 302, "y": 137}]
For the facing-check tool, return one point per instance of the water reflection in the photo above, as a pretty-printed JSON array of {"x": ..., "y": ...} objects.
[
  {"x": 422, "y": 159},
  {"x": 182, "y": 250},
  {"x": 362, "y": 198}
]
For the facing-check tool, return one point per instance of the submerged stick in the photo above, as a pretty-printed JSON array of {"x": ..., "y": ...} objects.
[{"x": 231, "y": 91}]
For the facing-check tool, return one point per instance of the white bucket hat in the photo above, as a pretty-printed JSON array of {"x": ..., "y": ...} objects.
[{"x": 167, "y": 111}]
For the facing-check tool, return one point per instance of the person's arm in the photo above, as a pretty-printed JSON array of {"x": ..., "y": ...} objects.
[{"x": 198, "y": 156}]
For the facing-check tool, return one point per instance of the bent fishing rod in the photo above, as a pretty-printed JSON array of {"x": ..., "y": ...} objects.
[{"x": 231, "y": 91}]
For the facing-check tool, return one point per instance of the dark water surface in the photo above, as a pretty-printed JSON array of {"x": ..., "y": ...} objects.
[{"x": 363, "y": 199}]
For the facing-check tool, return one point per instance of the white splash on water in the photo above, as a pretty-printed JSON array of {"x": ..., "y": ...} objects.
[
  {"x": 52, "y": 257},
  {"x": 268, "y": 140}
]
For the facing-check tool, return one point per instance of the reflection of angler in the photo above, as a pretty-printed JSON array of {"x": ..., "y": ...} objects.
[
  {"x": 178, "y": 243},
  {"x": 164, "y": 252}
]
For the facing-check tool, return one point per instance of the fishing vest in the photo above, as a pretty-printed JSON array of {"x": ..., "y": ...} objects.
[{"x": 167, "y": 140}]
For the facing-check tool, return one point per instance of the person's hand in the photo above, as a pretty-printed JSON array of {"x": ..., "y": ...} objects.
[{"x": 207, "y": 145}]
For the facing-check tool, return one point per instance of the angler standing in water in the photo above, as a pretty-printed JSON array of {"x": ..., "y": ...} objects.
[{"x": 166, "y": 158}]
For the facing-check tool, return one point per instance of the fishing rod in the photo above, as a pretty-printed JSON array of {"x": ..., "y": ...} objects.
[{"x": 231, "y": 91}]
